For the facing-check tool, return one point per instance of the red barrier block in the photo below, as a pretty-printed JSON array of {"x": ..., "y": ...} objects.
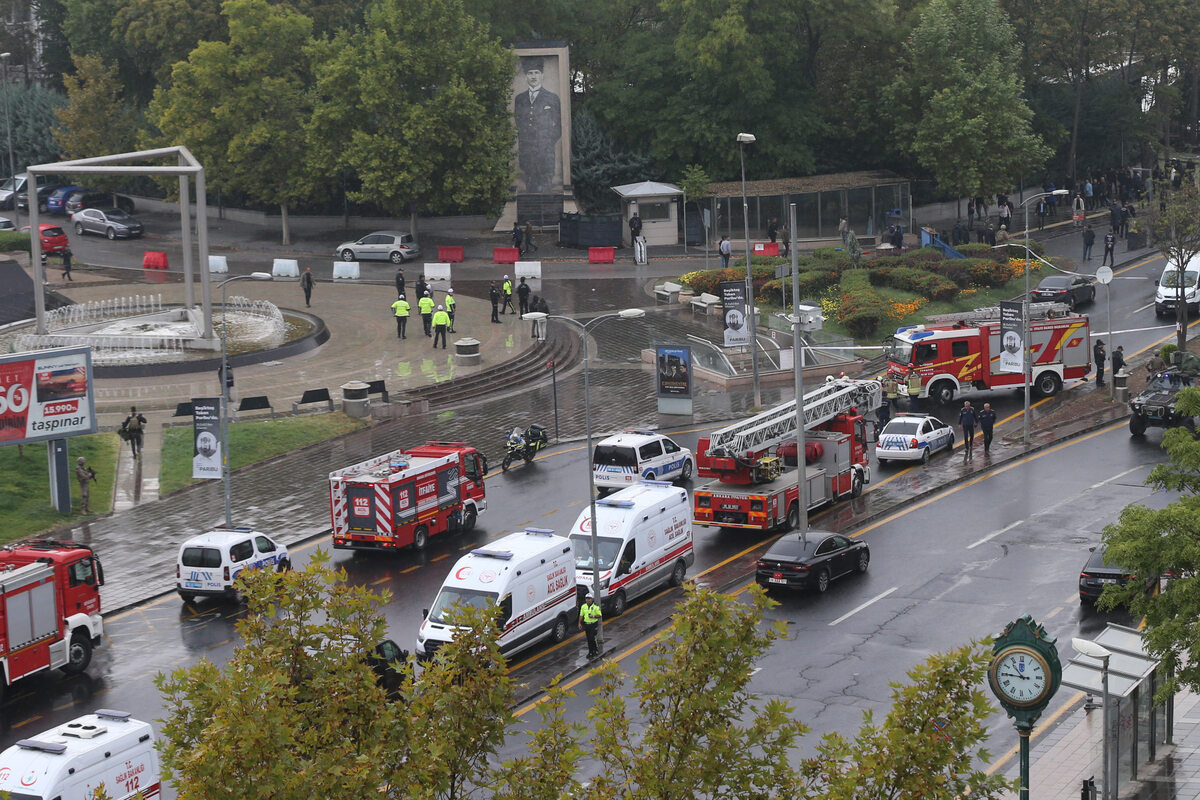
[
  {"x": 153, "y": 260},
  {"x": 601, "y": 255},
  {"x": 450, "y": 254},
  {"x": 505, "y": 255},
  {"x": 766, "y": 248}
]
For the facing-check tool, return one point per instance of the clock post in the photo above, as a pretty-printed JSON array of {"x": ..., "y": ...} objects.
[{"x": 1024, "y": 675}]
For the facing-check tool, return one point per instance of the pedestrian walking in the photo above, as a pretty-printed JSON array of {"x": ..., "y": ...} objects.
[
  {"x": 133, "y": 431},
  {"x": 401, "y": 309},
  {"x": 523, "y": 296},
  {"x": 85, "y": 475},
  {"x": 1110, "y": 247},
  {"x": 400, "y": 281},
  {"x": 450, "y": 304},
  {"x": 530, "y": 247},
  {"x": 422, "y": 288},
  {"x": 725, "y": 248},
  {"x": 589, "y": 622},
  {"x": 844, "y": 230},
  {"x": 1118, "y": 360},
  {"x": 441, "y": 322},
  {"x": 1043, "y": 208},
  {"x": 773, "y": 229},
  {"x": 971, "y": 213},
  {"x": 1078, "y": 210},
  {"x": 785, "y": 237},
  {"x": 518, "y": 236},
  {"x": 967, "y": 419},
  {"x": 506, "y": 289},
  {"x": 987, "y": 421},
  {"x": 1089, "y": 239},
  {"x": 66, "y": 262},
  {"x": 425, "y": 306},
  {"x": 494, "y": 296},
  {"x": 1099, "y": 355},
  {"x": 307, "y": 281}
]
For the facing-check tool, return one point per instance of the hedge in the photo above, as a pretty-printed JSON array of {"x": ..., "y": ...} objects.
[
  {"x": 710, "y": 280},
  {"x": 985, "y": 250},
  {"x": 919, "y": 281},
  {"x": 987, "y": 272},
  {"x": 862, "y": 309},
  {"x": 811, "y": 283},
  {"x": 14, "y": 241}
]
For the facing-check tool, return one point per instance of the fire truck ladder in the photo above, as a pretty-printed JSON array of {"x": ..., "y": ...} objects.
[
  {"x": 778, "y": 424},
  {"x": 992, "y": 314}
]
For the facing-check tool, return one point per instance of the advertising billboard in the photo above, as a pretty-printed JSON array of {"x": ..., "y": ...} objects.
[
  {"x": 674, "y": 371},
  {"x": 46, "y": 394},
  {"x": 1012, "y": 335},
  {"x": 733, "y": 300},
  {"x": 206, "y": 445}
]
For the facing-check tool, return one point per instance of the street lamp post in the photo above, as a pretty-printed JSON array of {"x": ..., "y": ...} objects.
[
  {"x": 1092, "y": 650},
  {"x": 743, "y": 140},
  {"x": 586, "y": 328},
  {"x": 224, "y": 372},
  {"x": 1025, "y": 305},
  {"x": 12, "y": 167}
]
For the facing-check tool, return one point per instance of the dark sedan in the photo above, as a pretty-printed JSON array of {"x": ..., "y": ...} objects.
[
  {"x": 811, "y": 560},
  {"x": 1096, "y": 574},
  {"x": 43, "y": 194},
  {"x": 1070, "y": 289}
]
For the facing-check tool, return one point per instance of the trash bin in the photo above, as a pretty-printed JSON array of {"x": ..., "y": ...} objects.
[
  {"x": 1121, "y": 386},
  {"x": 466, "y": 352},
  {"x": 355, "y": 402}
]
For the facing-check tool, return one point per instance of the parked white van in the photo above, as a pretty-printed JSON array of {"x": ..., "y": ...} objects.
[
  {"x": 637, "y": 455},
  {"x": 644, "y": 537},
  {"x": 1166, "y": 292},
  {"x": 72, "y": 760},
  {"x": 530, "y": 575}
]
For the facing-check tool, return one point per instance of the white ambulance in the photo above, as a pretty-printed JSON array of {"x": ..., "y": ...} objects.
[
  {"x": 644, "y": 537},
  {"x": 73, "y": 760},
  {"x": 530, "y": 575}
]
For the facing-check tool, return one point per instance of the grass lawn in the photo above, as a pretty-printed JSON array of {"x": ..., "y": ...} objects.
[
  {"x": 250, "y": 443},
  {"x": 25, "y": 508}
]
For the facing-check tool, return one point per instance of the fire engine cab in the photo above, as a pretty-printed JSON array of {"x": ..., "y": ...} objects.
[
  {"x": 49, "y": 608},
  {"x": 754, "y": 487},
  {"x": 955, "y": 353},
  {"x": 404, "y": 497}
]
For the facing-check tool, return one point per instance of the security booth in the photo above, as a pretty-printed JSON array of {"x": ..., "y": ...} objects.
[
  {"x": 655, "y": 203},
  {"x": 1121, "y": 679}
]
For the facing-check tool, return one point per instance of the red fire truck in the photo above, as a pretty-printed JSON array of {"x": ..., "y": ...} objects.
[
  {"x": 49, "y": 608},
  {"x": 404, "y": 497},
  {"x": 953, "y": 353},
  {"x": 754, "y": 487}
]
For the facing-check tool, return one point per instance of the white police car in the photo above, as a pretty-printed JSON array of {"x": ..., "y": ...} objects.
[
  {"x": 634, "y": 456},
  {"x": 208, "y": 564},
  {"x": 913, "y": 437}
]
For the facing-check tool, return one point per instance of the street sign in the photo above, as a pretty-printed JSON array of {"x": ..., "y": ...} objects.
[{"x": 1104, "y": 275}]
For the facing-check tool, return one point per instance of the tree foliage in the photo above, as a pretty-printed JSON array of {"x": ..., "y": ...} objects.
[
  {"x": 33, "y": 115},
  {"x": 96, "y": 120},
  {"x": 597, "y": 165},
  {"x": 1176, "y": 226}
]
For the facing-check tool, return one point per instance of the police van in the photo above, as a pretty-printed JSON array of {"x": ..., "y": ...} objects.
[
  {"x": 644, "y": 540},
  {"x": 633, "y": 456},
  {"x": 208, "y": 564},
  {"x": 530, "y": 575},
  {"x": 73, "y": 760}
]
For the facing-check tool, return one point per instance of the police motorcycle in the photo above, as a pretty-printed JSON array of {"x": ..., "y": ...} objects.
[{"x": 523, "y": 445}]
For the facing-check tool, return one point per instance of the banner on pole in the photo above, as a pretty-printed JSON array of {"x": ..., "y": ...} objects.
[
  {"x": 206, "y": 450},
  {"x": 733, "y": 300},
  {"x": 1012, "y": 337}
]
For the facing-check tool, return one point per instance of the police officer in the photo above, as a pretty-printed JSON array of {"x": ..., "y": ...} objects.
[
  {"x": 450, "y": 302},
  {"x": 1100, "y": 355},
  {"x": 914, "y": 391},
  {"x": 523, "y": 296},
  {"x": 494, "y": 296},
  {"x": 589, "y": 622},
  {"x": 441, "y": 321},
  {"x": 422, "y": 287},
  {"x": 506, "y": 290},
  {"x": 425, "y": 306},
  {"x": 401, "y": 308}
]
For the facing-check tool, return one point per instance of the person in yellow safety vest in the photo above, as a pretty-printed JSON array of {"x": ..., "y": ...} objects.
[
  {"x": 506, "y": 290},
  {"x": 425, "y": 305},
  {"x": 589, "y": 620},
  {"x": 450, "y": 301},
  {"x": 400, "y": 307},
  {"x": 441, "y": 321},
  {"x": 914, "y": 390}
]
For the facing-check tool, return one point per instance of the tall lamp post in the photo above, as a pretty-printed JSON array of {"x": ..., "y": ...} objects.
[
  {"x": 1092, "y": 650},
  {"x": 12, "y": 167},
  {"x": 743, "y": 140},
  {"x": 1025, "y": 304},
  {"x": 586, "y": 328},
  {"x": 253, "y": 276}
]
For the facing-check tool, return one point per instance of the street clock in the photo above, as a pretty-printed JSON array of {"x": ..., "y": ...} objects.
[{"x": 1025, "y": 671}]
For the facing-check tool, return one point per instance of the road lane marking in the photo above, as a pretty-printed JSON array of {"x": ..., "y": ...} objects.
[
  {"x": 1054, "y": 612},
  {"x": 550, "y": 513},
  {"x": 1116, "y": 477},
  {"x": 1143, "y": 308},
  {"x": 1043, "y": 726},
  {"x": 23, "y": 723},
  {"x": 870, "y": 602},
  {"x": 410, "y": 569},
  {"x": 381, "y": 580},
  {"x": 994, "y": 534},
  {"x": 439, "y": 558}
]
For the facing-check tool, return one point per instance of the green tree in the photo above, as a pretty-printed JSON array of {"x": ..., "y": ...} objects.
[
  {"x": 56, "y": 52},
  {"x": 1177, "y": 229},
  {"x": 33, "y": 114},
  {"x": 424, "y": 120},
  {"x": 156, "y": 34},
  {"x": 241, "y": 107},
  {"x": 89, "y": 30},
  {"x": 955, "y": 104},
  {"x": 96, "y": 120},
  {"x": 597, "y": 165}
]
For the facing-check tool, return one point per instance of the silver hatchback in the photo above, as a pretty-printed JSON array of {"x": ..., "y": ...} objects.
[
  {"x": 391, "y": 246},
  {"x": 111, "y": 222}
]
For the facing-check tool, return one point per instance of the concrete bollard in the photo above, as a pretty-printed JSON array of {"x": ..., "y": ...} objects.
[
  {"x": 355, "y": 402},
  {"x": 1121, "y": 386},
  {"x": 466, "y": 352}
]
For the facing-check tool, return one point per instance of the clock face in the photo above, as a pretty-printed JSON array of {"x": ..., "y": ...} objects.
[{"x": 1020, "y": 676}]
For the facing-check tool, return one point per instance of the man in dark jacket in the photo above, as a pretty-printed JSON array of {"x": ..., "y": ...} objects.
[
  {"x": 1089, "y": 239},
  {"x": 494, "y": 296},
  {"x": 1099, "y": 355},
  {"x": 967, "y": 419},
  {"x": 987, "y": 421},
  {"x": 523, "y": 297}
]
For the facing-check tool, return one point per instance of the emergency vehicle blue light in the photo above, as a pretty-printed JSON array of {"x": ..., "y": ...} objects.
[
  {"x": 656, "y": 483},
  {"x": 906, "y": 328},
  {"x": 540, "y": 531},
  {"x": 921, "y": 335},
  {"x": 615, "y": 503},
  {"x": 505, "y": 555},
  {"x": 45, "y": 747},
  {"x": 112, "y": 713},
  {"x": 639, "y": 431}
]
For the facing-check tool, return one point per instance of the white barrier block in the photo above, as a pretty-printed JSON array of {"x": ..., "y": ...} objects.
[
  {"x": 437, "y": 271},
  {"x": 218, "y": 264},
  {"x": 527, "y": 269},
  {"x": 345, "y": 271},
  {"x": 285, "y": 268}
]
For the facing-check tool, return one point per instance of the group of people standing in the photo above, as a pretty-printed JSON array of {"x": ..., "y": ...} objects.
[{"x": 436, "y": 319}]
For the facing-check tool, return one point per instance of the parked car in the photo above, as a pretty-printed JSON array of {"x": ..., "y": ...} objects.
[
  {"x": 16, "y": 184},
  {"x": 811, "y": 560},
  {"x": 1073, "y": 290},
  {"x": 913, "y": 437},
  {"x": 7, "y": 224},
  {"x": 209, "y": 564},
  {"x": 43, "y": 194},
  {"x": 56, "y": 203},
  {"x": 54, "y": 238},
  {"x": 637, "y": 455},
  {"x": 111, "y": 222},
  {"x": 88, "y": 198},
  {"x": 391, "y": 246}
]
